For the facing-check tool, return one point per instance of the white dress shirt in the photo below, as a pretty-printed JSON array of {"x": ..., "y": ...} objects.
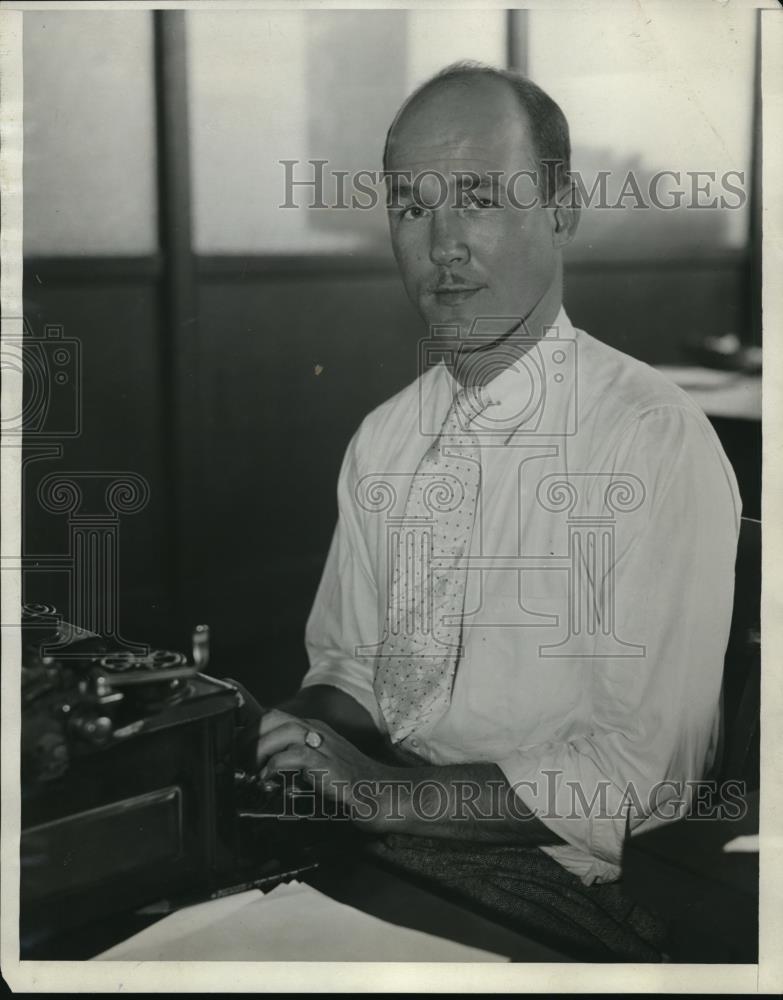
[{"x": 599, "y": 594}]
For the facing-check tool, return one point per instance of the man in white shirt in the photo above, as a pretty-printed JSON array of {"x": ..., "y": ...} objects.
[{"x": 538, "y": 646}]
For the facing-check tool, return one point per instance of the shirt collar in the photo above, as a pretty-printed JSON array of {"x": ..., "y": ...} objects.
[{"x": 533, "y": 393}]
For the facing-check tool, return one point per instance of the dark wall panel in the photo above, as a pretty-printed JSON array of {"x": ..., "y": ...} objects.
[
  {"x": 115, "y": 325},
  {"x": 287, "y": 370},
  {"x": 653, "y": 310}
]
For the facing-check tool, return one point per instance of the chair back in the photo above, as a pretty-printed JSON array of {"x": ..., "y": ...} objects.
[{"x": 741, "y": 692}]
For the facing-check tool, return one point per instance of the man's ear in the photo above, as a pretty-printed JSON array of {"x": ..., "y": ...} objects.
[
  {"x": 566, "y": 223},
  {"x": 565, "y": 216}
]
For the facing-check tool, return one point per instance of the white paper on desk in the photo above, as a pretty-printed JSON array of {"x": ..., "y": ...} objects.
[
  {"x": 292, "y": 923},
  {"x": 746, "y": 844}
]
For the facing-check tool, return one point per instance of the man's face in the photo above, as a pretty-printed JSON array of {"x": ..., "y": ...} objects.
[{"x": 472, "y": 255}]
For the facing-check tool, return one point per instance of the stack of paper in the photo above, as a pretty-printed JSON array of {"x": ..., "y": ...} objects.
[{"x": 293, "y": 922}]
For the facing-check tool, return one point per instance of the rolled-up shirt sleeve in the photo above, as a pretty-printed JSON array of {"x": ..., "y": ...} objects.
[
  {"x": 655, "y": 715},
  {"x": 344, "y": 616}
]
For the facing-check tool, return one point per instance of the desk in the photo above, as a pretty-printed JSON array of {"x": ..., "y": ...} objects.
[
  {"x": 680, "y": 869},
  {"x": 732, "y": 402},
  {"x": 362, "y": 884}
]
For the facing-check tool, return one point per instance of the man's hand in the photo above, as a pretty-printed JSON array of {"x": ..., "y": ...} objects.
[
  {"x": 460, "y": 801},
  {"x": 342, "y": 713},
  {"x": 334, "y": 768}
]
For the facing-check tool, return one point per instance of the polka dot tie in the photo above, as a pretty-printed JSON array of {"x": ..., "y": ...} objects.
[{"x": 421, "y": 648}]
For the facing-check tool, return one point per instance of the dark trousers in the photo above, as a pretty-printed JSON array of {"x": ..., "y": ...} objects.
[{"x": 525, "y": 889}]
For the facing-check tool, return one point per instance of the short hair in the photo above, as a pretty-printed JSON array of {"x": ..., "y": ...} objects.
[{"x": 548, "y": 124}]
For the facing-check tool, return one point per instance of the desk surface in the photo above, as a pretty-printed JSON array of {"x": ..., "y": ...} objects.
[
  {"x": 353, "y": 881},
  {"x": 679, "y": 869}
]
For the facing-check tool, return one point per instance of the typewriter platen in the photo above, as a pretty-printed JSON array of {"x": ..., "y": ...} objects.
[{"x": 138, "y": 784}]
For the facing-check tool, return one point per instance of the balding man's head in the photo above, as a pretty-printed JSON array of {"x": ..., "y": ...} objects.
[
  {"x": 539, "y": 115},
  {"x": 474, "y": 224}
]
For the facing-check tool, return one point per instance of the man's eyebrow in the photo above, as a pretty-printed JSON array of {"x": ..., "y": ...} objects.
[
  {"x": 478, "y": 182},
  {"x": 399, "y": 183}
]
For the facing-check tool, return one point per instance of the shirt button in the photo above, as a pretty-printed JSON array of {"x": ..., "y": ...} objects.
[{"x": 414, "y": 743}]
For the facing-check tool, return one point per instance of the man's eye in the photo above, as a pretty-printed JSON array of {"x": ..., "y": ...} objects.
[
  {"x": 473, "y": 201},
  {"x": 413, "y": 212}
]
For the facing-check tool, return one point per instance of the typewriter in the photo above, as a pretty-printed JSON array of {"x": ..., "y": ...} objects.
[{"x": 138, "y": 785}]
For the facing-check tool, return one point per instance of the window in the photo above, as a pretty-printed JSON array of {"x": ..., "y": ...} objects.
[
  {"x": 89, "y": 138},
  {"x": 653, "y": 88},
  {"x": 306, "y": 85}
]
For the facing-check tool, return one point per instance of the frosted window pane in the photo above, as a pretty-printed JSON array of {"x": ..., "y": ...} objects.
[
  {"x": 267, "y": 86},
  {"x": 437, "y": 38},
  {"x": 651, "y": 88},
  {"x": 89, "y": 133}
]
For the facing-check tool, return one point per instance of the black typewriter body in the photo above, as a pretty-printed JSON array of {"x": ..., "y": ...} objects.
[{"x": 135, "y": 786}]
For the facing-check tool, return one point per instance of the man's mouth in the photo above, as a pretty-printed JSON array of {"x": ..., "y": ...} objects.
[{"x": 452, "y": 294}]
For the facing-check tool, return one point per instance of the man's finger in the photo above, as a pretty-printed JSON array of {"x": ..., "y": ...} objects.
[
  {"x": 288, "y": 734},
  {"x": 296, "y": 758},
  {"x": 272, "y": 719}
]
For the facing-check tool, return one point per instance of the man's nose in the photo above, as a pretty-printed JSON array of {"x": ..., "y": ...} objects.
[{"x": 448, "y": 244}]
